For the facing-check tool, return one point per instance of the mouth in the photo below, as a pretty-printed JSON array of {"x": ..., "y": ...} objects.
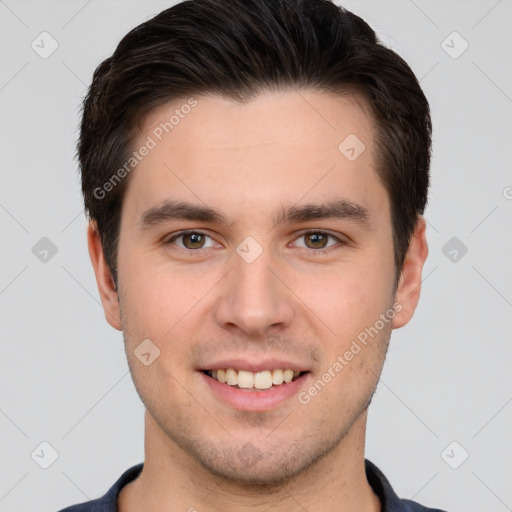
[{"x": 254, "y": 381}]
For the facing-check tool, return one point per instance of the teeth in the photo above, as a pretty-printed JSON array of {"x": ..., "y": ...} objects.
[
  {"x": 258, "y": 380},
  {"x": 245, "y": 379},
  {"x": 262, "y": 380},
  {"x": 288, "y": 375},
  {"x": 231, "y": 377},
  {"x": 277, "y": 377}
]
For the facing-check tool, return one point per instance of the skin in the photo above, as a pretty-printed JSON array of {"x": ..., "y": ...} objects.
[{"x": 293, "y": 302}]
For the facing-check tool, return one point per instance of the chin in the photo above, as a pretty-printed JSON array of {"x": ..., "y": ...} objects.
[{"x": 253, "y": 466}]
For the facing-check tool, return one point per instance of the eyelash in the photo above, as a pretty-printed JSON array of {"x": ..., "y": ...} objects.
[{"x": 181, "y": 234}]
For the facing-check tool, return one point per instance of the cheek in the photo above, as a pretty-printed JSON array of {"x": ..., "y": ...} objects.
[
  {"x": 160, "y": 391},
  {"x": 159, "y": 294},
  {"x": 349, "y": 298}
]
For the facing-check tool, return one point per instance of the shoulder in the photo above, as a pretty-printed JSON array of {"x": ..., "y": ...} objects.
[
  {"x": 412, "y": 506},
  {"x": 107, "y": 503},
  {"x": 389, "y": 499},
  {"x": 89, "y": 506}
]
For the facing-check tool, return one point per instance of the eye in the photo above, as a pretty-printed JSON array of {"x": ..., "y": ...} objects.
[
  {"x": 317, "y": 240},
  {"x": 191, "y": 240}
]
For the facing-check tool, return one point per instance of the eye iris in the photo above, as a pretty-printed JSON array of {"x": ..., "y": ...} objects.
[
  {"x": 318, "y": 240},
  {"x": 193, "y": 240}
]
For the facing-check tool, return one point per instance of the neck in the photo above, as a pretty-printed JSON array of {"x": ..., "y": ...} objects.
[{"x": 172, "y": 480}]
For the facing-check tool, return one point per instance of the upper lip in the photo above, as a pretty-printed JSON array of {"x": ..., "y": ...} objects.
[{"x": 255, "y": 366}]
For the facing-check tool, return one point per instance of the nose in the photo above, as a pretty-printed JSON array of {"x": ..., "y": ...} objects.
[{"x": 255, "y": 298}]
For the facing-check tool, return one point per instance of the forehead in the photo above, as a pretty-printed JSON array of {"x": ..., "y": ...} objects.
[
  {"x": 277, "y": 147},
  {"x": 271, "y": 117}
]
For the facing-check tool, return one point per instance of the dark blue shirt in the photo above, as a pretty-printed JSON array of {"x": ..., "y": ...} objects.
[{"x": 389, "y": 500}]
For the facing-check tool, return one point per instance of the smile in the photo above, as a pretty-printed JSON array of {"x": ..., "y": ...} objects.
[{"x": 247, "y": 380}]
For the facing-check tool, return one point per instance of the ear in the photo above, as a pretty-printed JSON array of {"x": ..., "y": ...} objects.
[
  {"x": 409, "y": 284},
  {"x": 104, "y": 280}
]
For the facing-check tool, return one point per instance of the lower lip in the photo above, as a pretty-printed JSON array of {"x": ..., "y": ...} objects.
[{"x": 255, "y": 401}]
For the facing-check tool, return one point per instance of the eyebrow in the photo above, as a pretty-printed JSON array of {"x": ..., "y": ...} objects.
[{"x": 181, "y": 210}]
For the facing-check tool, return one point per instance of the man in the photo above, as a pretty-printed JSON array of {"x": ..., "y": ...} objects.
[{"x": 255, "y": 174}]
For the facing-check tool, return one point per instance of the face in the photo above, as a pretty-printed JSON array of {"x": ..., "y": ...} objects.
[{"x": 252, "y": 242}]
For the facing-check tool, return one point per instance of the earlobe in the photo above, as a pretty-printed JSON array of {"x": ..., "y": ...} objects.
[
  {"x": 104, "y": 281},
  {"x": 409, "y": 284}
]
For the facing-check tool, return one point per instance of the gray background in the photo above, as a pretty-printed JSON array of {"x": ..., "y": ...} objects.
[{"x": 63, "y": 375}]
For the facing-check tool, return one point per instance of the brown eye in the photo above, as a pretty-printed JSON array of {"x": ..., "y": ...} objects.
[
  {"x": 193, "y": 240},
  {"x": 316, "y": 240}
]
